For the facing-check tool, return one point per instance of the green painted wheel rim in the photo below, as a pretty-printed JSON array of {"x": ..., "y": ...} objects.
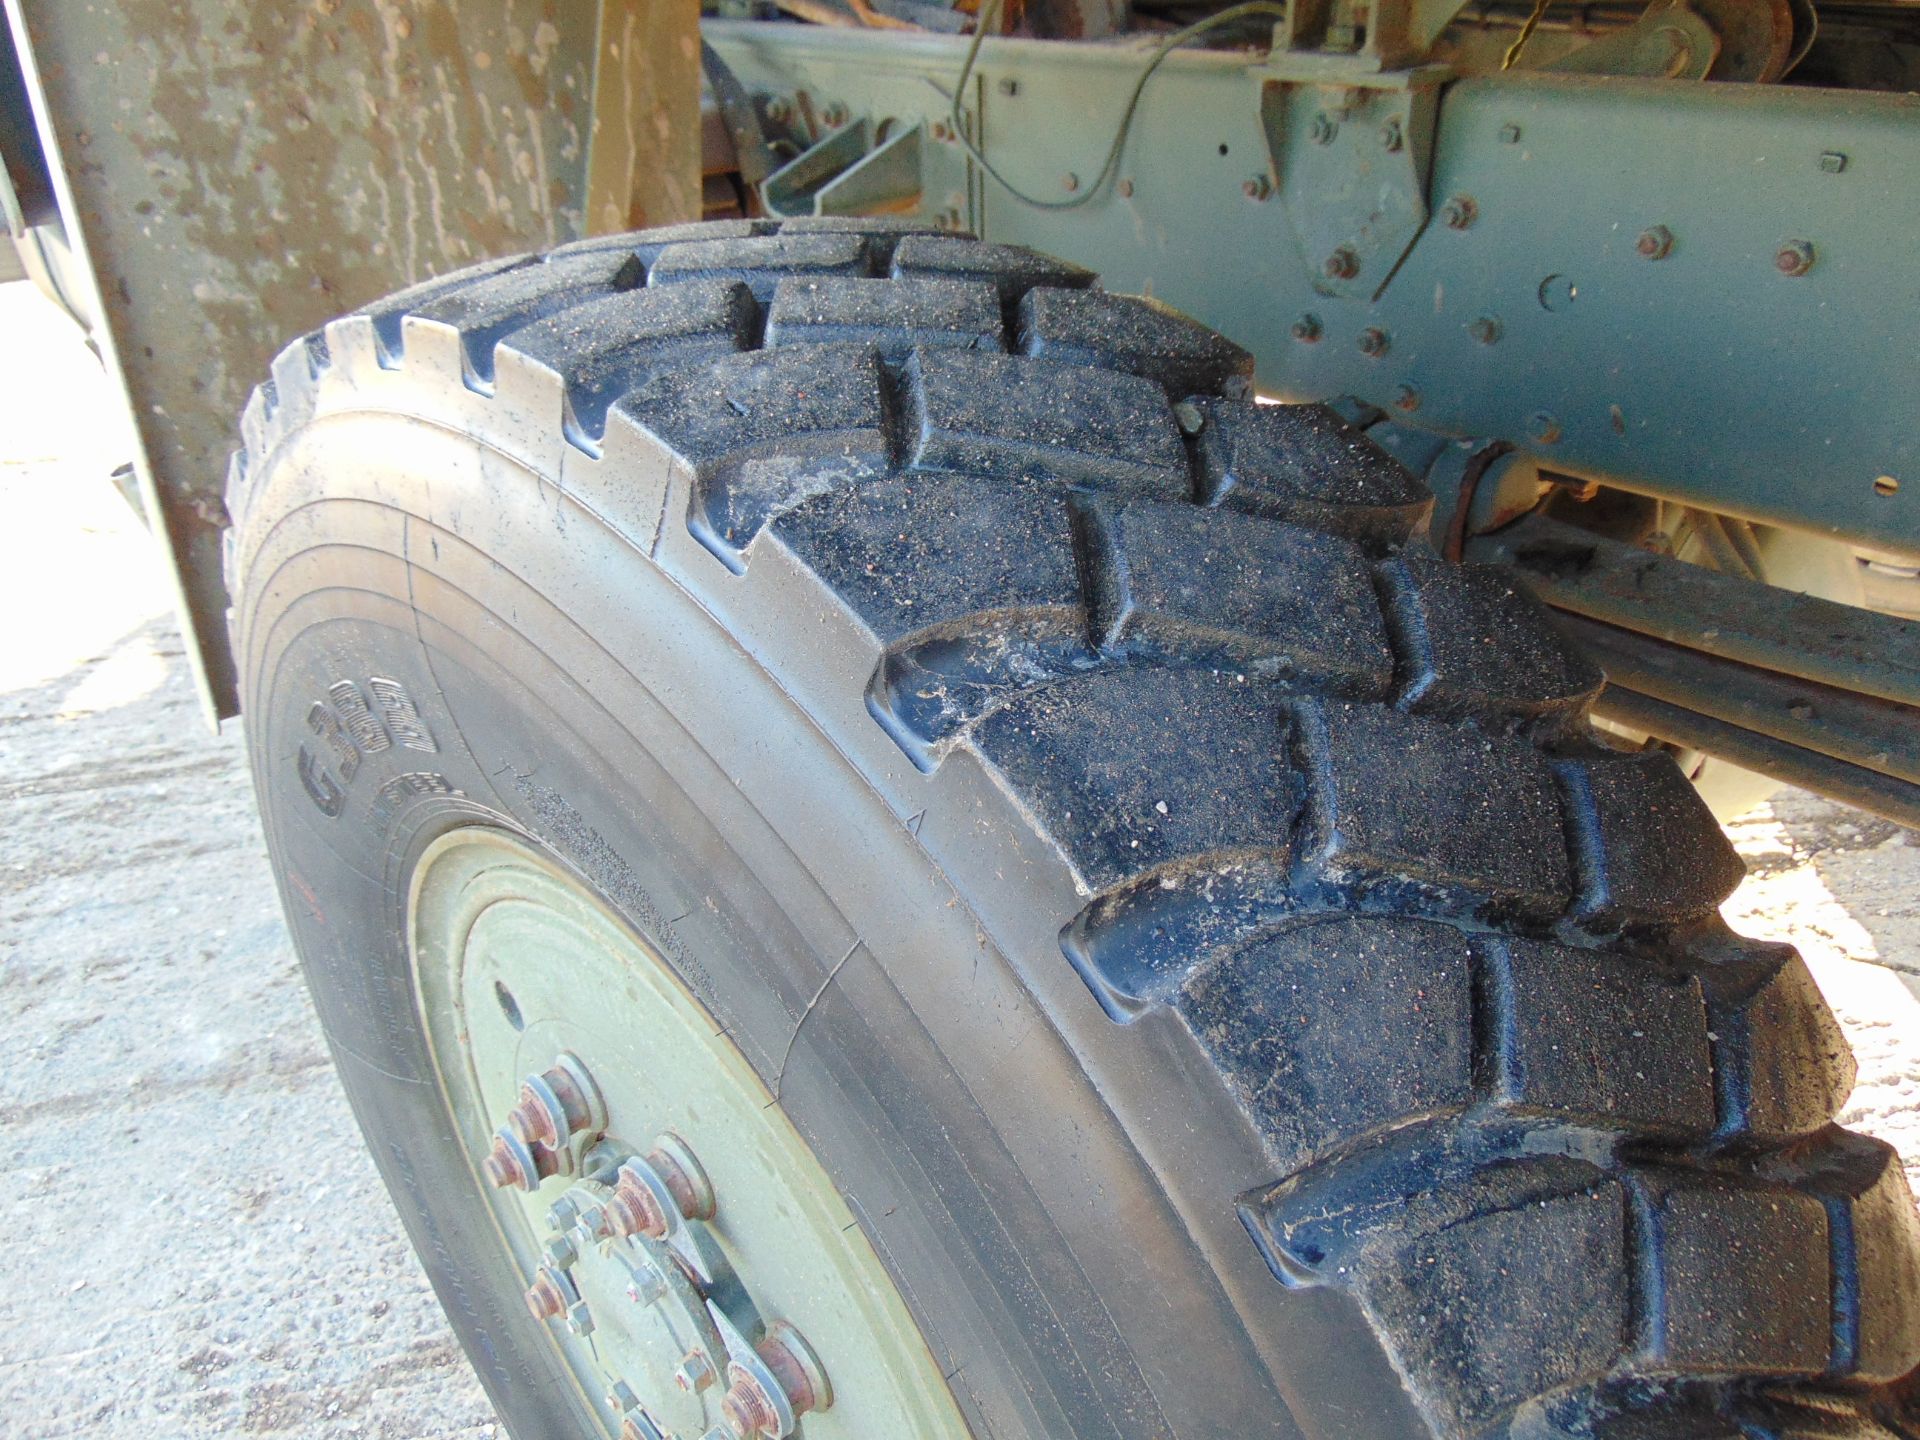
[{"x": 515, "y": 962}]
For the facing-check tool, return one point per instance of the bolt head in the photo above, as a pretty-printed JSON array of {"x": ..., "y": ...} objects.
[
  {"x": 1544, "y": 428},
  {"x": 1391, "y": 137},
  {"x": 1654, "y": 243},
  {"x": 1125, "y": 188},
  {"x": 1342, "y": 264},
  {"x": 779, "y": 111},
  {"x": 1189, "y": 418},
  {"x": 1374, "y": 341},
  {"x": 695, "y": 1372},
  {"x": 1323, "y": 129},
  {"x": 1509, "y": 134},
  {"x": 1306, "y": 329},
  {"x": 579, "y": 1322},
  {"x": 1009, "y": 85},
  {"x": 1256, "y": 187},
  {"x": 1833, "y": 162},
  {"x": 1459, "y": 212},
  {"x": 1407, "y": 399},
  {"x": 1070, "y": 182},
  {"x": 1485, "y": 329},
  {"x": 835, "y": 114},
  {"x": 1795, "y": 257},
  {"x": 560, "y": 1252}
]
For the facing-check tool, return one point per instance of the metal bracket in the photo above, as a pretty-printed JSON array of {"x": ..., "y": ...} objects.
[
  {"x": 847, "y": 173},
  {"x": 1353, "y": 156},
  {"x": 1669, "y": 42}
]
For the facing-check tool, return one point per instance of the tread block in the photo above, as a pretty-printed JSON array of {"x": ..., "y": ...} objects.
[
  {"x": 485, "y": 310},
  {"x": 1089, "y": 757},
  {"x": 1011, "y": 269},
  {"x": 1741, "y": 1276},
  {"x": 1645, "y": 845},
  {"x": 1513, "y": 1284},
  {"x": 1134, "y": 334},
  {"x": 762, "y": 261},
  {"x": 1305, "y": 465},
  {"x": 892, "y": 315},
  {"x": 1876, "y": 1254},
  {"x": 1430, "y": 811},
  {"x": 1332, "y": 1029},
  {"x": 762, "y": 431},
  {"x": 1781, "y": 1062},
  {"x": 389, "y": 313},
  {"x": 1582, "y": 1035},
  {"x": 1024, "y": 419},
  {"x": 602, "y": 348},
  {"x": 1282, "y": 602},
  {"x": 882, "y": 233},
  {"x": 1473, "y": 640}
]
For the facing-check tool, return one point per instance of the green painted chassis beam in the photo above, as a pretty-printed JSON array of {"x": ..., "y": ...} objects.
[{"x": 1706, "y": 376}]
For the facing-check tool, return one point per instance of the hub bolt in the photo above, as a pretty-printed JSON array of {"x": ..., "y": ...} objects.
[
  {"x": 1794, "y": 258},
  {"x": 559, "y": 1102},
  {"x": 1655, "y": 242},
  {"x": 510, "y": 1164},
  {"x": 1342, "y": 264},
  {"x": 695, "y": 1373}
]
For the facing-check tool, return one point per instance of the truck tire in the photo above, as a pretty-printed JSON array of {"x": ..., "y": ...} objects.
[{"x": 1192, "y": 926}]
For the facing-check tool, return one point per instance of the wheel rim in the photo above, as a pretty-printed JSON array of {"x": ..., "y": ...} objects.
[{"x": 767, "y": 1312}]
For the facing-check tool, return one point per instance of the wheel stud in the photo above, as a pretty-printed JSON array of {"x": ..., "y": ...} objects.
[{"x": 509, "y": 1164}]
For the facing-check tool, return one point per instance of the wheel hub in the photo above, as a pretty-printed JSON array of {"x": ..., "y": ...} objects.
[{"x": 675, "y": 1234}]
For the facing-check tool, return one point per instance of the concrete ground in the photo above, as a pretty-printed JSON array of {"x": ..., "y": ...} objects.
[{"x": 198, "y": 1244}]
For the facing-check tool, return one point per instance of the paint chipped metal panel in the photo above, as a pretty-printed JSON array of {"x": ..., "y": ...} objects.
[{"x": 241, "y": 172}]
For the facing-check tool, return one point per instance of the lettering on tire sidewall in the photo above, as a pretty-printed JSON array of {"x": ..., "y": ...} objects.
[{"x": 349, "y": 724}]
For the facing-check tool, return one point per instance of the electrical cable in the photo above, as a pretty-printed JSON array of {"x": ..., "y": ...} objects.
[{"x": 989, "y": 16}]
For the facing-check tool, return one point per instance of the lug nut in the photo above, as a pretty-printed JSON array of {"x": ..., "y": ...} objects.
[
  {"x": 1342, "y": 264},
  {"x": 787, "y": 1382},
  {"x": 666, "y": 1175},
  {"x": 559, "y": 1102},
  {"x": 1460, "y": 212},
  {"x": 1374, "y": 341},
  {"x": 510, "y": 1165},
  {"x": 551, "y": 1294},
  {"x": 1655, "y": 242},
  {"x": 1794, "y": 258}
]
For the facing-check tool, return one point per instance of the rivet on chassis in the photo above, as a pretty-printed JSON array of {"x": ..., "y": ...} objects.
[
  {"x": 1833, "y": 162},
  {"x": 667, "y": 1175},
  {"x": 835, "y": 114},
  {"x": 1323, "y": 129},
  {"x": 1391, "y": 138},
  {"x": 1484, "y": 328},
  {"x": 1374, "y": 341},
  {"x": 1544, "y": 428},
  {"x": 1460, "y": 212},
  {"x": 1342, "y": 264},
  {"x": 1509, "y": 134},
  {"x": 1655, "y": 243},
  {"x": 1406, "y": 398},
  {"x": 1070, "y": 182},
  {"x": 1795, "y": 257},
  {"x": 1256, "y": 187},
  {"x": 1306, "y": 329}
]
